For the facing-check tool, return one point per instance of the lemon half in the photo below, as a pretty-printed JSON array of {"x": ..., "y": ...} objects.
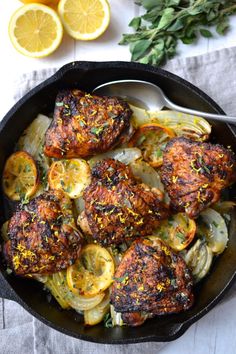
[
  {"x": 84, "y": 19},
  {"x": 35, "y": 30}
]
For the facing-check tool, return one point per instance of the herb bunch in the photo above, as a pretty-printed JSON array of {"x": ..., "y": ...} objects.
[{"x": 166, "y": 22}]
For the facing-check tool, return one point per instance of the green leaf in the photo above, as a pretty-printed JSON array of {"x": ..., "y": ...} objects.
[
  {"x": 135, "y": 23},
  {"x": 205, "y": 33},
  {"x": 144, "y": 60},
  {"x": 176, "y": 26},
  {"x": 211, "y": 15},
  {"x": 222, "y": 26},
  {"x": 194, "y": 10},
  {"x": 139, "y": 48},
  {"x": 167, "y": 18},
  {"x": 187, "y": 40},
  {"x": 149, "y": 4},
  {"x": 172, "y": 3},
  {"x": 160, "y": 45},
  {"x": 152, "y": 16}
]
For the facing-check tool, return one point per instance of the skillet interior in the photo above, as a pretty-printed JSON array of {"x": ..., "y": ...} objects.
[{"x": 87, "y": 75}]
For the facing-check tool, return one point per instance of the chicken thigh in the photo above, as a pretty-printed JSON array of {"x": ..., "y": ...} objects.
[
  {"x": 42, "y": 237},
  {"x": 84, "y": 125},
  {"x": 195, "y": 173},
  {"x": 117, "y": 207},
  {"x": 151, "y": 280}
]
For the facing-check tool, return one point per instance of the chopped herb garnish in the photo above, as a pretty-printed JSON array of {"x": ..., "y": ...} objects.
[
  {"x": 108, "y": 320},
  {"x": 9, "y": 271},
  {"x": 121, "y": 279},
  {"x": 163, "y": 235},
  {"x": 141, "y": 139},
  {"x": 206, "y": 169},
  {"x": 27, "y": 168},
  {"x": 180, "y": 236},
  {"x": 96, "y": 130},
  {"x": 158, "y": 153},
  {"x": 68, "y": 189},
  {"x": 215, "y": 223},
  {"x": 24, "y": 200}
]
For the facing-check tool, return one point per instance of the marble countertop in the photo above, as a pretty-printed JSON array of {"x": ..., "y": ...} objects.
[{"x": 214, "y": 333}]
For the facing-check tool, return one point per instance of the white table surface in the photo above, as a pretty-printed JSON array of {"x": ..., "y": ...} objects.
[{"x": 215, "y": 333}]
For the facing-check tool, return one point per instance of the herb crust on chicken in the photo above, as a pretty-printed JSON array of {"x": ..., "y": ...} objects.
[
  {"x": 84, "y": 125},
  {"x": 117, "y": 207},
  {"x": 42, "y": 237},
  {"x": 151, "y": 280},
  {"x": 194, "y": 173}
]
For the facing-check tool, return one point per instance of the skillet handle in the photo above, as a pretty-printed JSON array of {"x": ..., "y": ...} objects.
[
  {"x": 5, "y": 291},
  {"x": 178, "y": 329}
]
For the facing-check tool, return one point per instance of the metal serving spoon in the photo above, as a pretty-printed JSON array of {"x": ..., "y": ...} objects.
[{"x": 149, "y": 96}]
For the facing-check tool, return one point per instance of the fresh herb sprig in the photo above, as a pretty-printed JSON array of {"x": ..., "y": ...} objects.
[{"x": 166, "y": 22}]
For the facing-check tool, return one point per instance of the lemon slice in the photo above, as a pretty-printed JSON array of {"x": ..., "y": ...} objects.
[
  {"x": 20, "y": 176},
  {"x": 71, "y": 176},
  {"x": 35, "y": 30},
  {"x": 84, "y": 19},
  {"x": 92, "y": 273}
]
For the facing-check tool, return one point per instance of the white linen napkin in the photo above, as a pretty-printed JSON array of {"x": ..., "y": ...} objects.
[{"x": 214, "y": 73}]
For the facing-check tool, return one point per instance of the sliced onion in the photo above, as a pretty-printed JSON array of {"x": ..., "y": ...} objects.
[
  {"x": 177, "y": 231},
  {"x": 32, "y": 140},
  {"x": 81, "y": 303},
  {"x": 41, "y": 278},
  {"x": 126, "y": 155},
  {"x": 187, "y": 125},
  {"x": 77, "y": 302},
  {"x": 199, "y": 259},
  {"x": 4, "y": 229},
  {"x": 57, "y": 293},
  {"x": 96, "y": 314},
  {"x": 147, "y": 174},
  {"x": 116, "y": 317},
  {"x": 57, "y": 284},
  {"x": 79, "y": 205},
  {"x": 212, "y": 226}
]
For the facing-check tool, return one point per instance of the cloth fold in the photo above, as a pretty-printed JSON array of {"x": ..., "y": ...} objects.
[{"x": 214, "y": 73}]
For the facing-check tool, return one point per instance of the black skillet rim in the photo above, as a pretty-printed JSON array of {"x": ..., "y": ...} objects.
[{"x": 9, "y": 293}]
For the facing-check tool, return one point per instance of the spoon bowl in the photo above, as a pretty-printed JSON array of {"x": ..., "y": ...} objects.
[{"x": 149, "y": 96}]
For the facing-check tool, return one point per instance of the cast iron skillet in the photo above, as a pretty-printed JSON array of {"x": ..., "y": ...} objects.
[{"x": 29, "y": 294}]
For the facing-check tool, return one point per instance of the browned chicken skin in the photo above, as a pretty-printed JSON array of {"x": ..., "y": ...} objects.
[
  {"x": 194, "y": 173},
  {"x": 85, "y": 125},
  {"x": 117, "y": 208},
  {"x": 42, "y": 238},
  {"x": 151, "y": 280}
]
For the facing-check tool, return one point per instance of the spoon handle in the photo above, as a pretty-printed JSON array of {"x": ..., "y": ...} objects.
[{"x": 210, "y": 116}]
